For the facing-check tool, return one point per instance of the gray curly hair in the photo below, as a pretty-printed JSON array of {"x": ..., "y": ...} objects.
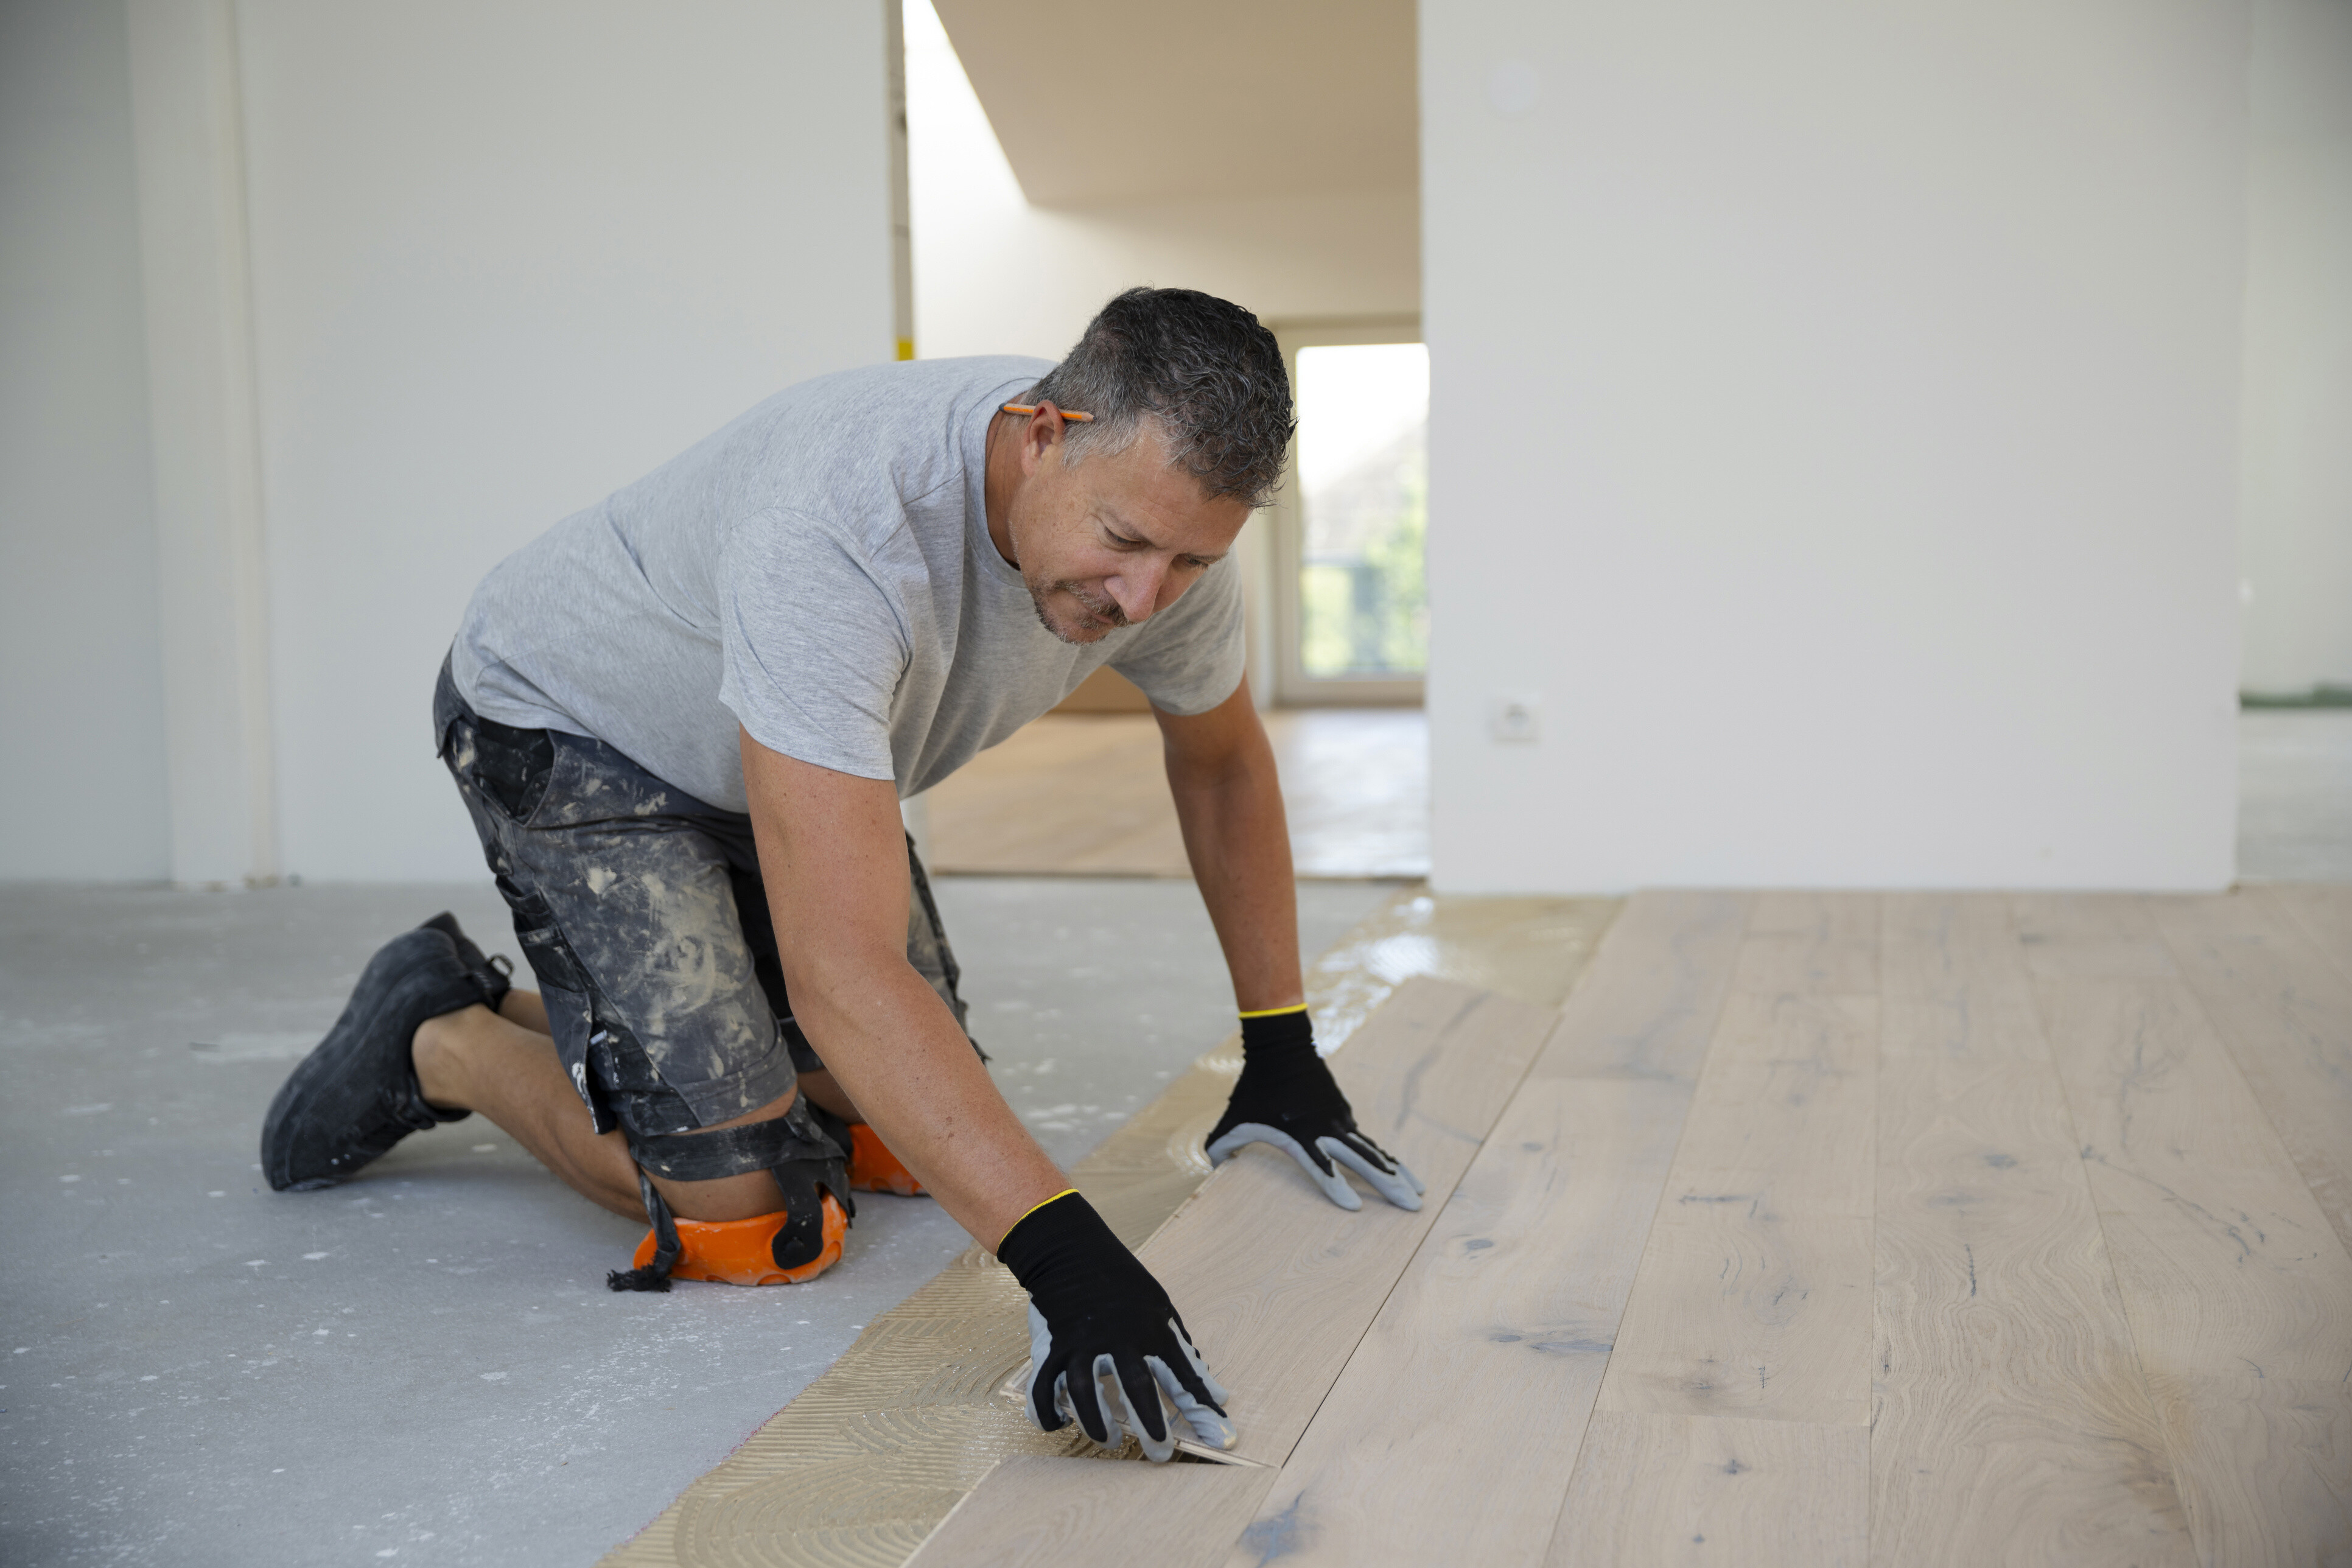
[{"x": 1202, "y": 369}]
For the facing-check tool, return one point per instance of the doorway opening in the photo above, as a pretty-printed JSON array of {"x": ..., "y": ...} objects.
[{"x": 1351, "y": 597}]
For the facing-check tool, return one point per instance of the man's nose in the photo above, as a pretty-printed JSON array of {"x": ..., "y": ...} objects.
[{"x": 1136, "y": 590}]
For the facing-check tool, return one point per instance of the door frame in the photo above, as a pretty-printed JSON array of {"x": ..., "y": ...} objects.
[{"x": 1293, "y": 686}]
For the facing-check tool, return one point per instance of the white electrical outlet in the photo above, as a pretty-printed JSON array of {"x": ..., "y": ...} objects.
[{"x": 1518, "y": 719}]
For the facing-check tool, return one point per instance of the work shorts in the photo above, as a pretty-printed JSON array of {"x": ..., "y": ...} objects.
[{"x": 642, "y": 912}]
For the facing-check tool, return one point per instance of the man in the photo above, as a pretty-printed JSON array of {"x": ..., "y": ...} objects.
[{"x": 682, "y": 722}]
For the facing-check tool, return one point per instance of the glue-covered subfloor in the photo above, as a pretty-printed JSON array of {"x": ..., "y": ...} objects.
[{"x": 423, "y": 1366}]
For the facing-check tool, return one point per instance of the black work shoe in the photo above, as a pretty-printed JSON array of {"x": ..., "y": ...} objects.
[
  {"x": 356, "y": 1094},
  {"x": 495, "y": 974}
]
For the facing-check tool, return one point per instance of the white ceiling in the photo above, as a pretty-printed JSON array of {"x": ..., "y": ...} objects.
[{"x": 1108, "y": 102}]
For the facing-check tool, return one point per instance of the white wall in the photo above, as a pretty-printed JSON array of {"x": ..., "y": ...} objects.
[
  {"x": 82, "y": 700},
  {"x": 505, "y": 258},
  {"x": 1834, "y": 421},
  {"x": 2295, "y": 532},
  {"x": 310, "y": 310}
]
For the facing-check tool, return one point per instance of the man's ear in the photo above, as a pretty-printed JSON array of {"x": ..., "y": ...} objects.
[{"x": 1045, "y": 433}]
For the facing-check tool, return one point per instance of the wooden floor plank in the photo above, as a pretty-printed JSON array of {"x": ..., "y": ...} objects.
[
  {"x": 1031, "y": 1512},
  {"x": 1706, "y": 1490},
  {"x": 1459, "y": 1416},
  {"x": 2089, "y": 935},
  {"x": 1278, "y": 1285},
  {"x": 2238, "y": 1292},
  {"x": 1809, "y": 944},
  {"x": 1087, "y": 794},
  {"x": 2012, "y": 1423},
  {"x": 2285, "y": 1013},
  {"x": 1648, "y": 1007},
  {"x": 2324, "y": 910},
  {"x": 1754, "y": 1295},
  {"x": 1355, "y": 786}
]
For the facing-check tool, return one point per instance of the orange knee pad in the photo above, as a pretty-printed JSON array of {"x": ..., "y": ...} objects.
[
  {"x": 874, "y": 1169},
  {"x": 742, "y": 1251}
]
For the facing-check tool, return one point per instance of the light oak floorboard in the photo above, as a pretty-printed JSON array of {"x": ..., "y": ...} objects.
[
  {"x": 1753, "y": 1297},
  {"x": 1046, "y": 1513},
  {"x": 2324, "y": 910},
  {"x": 2012, "y": 1423},
  {"x": 2285, "y": 1013},
  {"x": 1648, "y": 1007},
  {"x": 2092, "y": 936},
  {"x": 1809, "y": 944},
  {"x": 1656, "y": 1490},
  {"x": 1278, "y": 1285},
  {"x": 2239, "y": 1293},
  {"x": 1066, "y": 795},
  {"x": 1458, "y": 1416},
  {"x": 1355, "y": 783},
  {"x": 1088, "y": 794},
  {"x": 1754, "y": 1294}
]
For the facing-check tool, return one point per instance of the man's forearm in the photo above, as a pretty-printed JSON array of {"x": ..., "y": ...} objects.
[
  {"x": 897, "y": 1050},
  {"x": 834, "y": 854},
  {"x": 1238, "y": 840}
]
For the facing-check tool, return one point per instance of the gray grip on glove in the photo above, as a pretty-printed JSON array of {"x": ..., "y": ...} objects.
[{"x": 1286, "y": 1097}]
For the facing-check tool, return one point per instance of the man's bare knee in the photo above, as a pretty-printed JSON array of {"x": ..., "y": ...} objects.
[{"x": 744, "y": 1196}]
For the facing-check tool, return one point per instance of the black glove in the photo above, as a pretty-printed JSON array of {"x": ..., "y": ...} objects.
[
  {"x": 1096, "y": 1315},
  {"x": 1286, "y": 1097}
]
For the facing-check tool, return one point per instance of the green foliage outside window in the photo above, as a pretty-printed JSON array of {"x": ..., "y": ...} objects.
[{"x": 1366, "y": 612}]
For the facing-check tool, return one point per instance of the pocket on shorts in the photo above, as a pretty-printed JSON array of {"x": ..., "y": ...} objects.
[
  {"x": 544, "y": 949},
  {"x": 511, "y": 767}
]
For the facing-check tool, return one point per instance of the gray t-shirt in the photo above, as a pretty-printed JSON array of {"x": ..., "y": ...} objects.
[{"x": 820, "y": 571}]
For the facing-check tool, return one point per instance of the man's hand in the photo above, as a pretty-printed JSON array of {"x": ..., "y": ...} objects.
[
  {"x": 1287, "y": 1097},
  {"x": 1104, "y": 1342}
]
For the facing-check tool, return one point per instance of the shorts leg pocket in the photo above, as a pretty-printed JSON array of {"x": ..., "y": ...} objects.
[
  {"x": 550, "y": 956},
  {"x": 512, "y": 767}
]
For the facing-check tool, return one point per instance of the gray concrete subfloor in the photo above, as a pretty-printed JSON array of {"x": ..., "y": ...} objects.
[
  {"x": 423, "y": 1366},
  {"x": 2294, "y": 795}
]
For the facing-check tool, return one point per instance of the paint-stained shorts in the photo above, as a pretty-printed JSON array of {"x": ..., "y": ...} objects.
[{"x": 642, "y": 912}]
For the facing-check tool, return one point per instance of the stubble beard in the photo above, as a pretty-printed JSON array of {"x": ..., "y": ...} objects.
[{"x": 1105, "y": 614}]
